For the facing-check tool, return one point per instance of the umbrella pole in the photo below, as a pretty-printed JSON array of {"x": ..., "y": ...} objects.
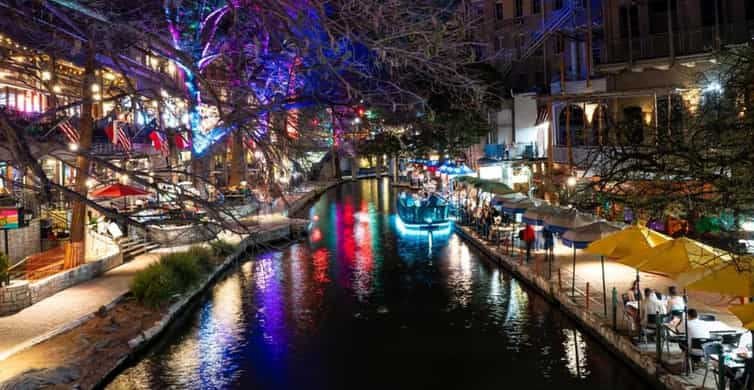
[
  {"x": 604, "y": 290},
  {"x": 573, "y": 277},
  {"x": 687, "y": 358},
  {"x": 638, "y": 301}
]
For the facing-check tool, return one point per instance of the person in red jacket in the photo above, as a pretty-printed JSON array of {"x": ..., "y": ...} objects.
[{"x": 528, "y": 236}]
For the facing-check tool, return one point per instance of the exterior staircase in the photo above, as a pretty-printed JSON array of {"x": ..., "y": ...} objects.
[
  {"x": 534, "y": 41},
  {"x": 134, "y": 246}
]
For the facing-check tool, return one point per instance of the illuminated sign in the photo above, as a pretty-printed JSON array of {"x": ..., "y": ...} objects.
[{"x": 10, "y": 218}]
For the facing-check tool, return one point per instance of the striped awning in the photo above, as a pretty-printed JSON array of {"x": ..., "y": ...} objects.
[{"x": 543, "y": 115}]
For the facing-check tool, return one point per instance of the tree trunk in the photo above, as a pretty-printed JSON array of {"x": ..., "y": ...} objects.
[
  {"x": 75, "y": 251},
  {"x": 238, "y": 160}
]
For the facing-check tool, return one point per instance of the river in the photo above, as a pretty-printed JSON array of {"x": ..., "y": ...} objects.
[{"x": 364, "y": 304}]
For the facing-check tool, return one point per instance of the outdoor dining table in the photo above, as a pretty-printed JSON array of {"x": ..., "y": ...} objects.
[{"x": 735, "y": 360}]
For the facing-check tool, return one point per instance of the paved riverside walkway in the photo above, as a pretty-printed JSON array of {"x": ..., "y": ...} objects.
[
  {"x": 588, "y": 269},
  {"x": 25, "y": 328}
]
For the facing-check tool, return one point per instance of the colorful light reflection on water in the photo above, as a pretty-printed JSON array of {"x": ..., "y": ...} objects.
[{"x": 361, "y": 305}]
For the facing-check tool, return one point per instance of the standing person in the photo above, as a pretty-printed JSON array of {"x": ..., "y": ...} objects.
[
  {"x": 549, "y": 241},
  {"x": 529, "y": 236},
  {"x": 676, "y": 305}
]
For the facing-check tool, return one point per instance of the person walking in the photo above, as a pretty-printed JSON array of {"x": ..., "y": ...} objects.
[
  {"x": 549, "y": 243},
  {"x": 529, "y": 235}
]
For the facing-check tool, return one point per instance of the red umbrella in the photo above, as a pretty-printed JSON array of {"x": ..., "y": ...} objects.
[{"x": 118, "y": 190}]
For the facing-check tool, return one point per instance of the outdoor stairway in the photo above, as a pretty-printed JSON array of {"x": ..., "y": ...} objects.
[
  {"x": 555, "y": 21},
  {"x": 134, "y": 246}
]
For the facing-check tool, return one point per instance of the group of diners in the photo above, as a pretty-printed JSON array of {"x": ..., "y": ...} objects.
[{"x": 710, "y": 339}]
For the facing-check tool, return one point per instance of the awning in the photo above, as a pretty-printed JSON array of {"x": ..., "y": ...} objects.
[{"x": 543, "y": 115}]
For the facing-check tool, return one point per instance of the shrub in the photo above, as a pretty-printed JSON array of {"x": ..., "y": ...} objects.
[
  {"x": 175, "y": 273},
  {"x": 185, "y": 268},
  {"x": 222, "y": 248},
  {"x": 205, "y": 257},
  {"x": 155, "y": 284}
]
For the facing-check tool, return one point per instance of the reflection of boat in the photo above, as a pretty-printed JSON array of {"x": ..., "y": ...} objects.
[{"x": 430, "y": 213}]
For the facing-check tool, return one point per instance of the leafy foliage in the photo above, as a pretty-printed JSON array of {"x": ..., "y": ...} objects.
[{"x": 174, "y": 274}]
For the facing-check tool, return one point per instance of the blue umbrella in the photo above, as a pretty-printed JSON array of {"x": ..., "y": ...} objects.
[
  {"x": 580, "y": 238},
  {"x": 518, "y": 206},
  {"x": 564, "y": 220},
  {"x": 536, "y": 215}
]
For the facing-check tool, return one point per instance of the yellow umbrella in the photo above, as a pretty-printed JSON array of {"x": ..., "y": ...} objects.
[
  {"x": 676, "y": 256},
  {"x": 734, "y": 278},
  {"x": 626, "y": 242},
  {"x": 745, "y": 313}
]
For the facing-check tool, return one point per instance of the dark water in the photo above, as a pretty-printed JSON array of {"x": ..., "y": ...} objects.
[{"x": 364, "y": 305}]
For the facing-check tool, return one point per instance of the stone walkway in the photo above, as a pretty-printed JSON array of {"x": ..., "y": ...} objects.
[{"x": 27, "y": 327}]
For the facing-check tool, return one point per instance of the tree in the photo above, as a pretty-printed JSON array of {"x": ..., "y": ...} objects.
[{"x": 258, "y": 64}]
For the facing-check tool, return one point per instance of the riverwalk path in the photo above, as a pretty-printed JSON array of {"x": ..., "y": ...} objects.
[
  {"x": 589, "y": 308},
  {"x": 73, "y": 305}
]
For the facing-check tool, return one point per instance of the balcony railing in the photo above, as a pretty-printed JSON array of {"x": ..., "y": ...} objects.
[{"x": 685, "y": 42}]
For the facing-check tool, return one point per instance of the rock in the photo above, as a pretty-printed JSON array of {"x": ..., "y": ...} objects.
[
  {"x": 38, "y": 378},
  {"x": 102, "y": 311}
]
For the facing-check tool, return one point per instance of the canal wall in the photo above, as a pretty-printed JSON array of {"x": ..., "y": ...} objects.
[
  {"x": 620, "y": 345},
  {"x": 180, "y": 311}
]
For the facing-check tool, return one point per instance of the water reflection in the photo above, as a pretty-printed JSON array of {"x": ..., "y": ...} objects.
[{"x": 362, "y": 304}]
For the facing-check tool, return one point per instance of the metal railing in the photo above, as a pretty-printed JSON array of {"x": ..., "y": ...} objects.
[
  {"x": 685, "y": 42},
  {"x": 534, "y": 40}
]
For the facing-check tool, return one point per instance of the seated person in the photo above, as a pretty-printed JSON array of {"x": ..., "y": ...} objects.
[
  {"x": 651, "y": 306},
  {"x": 698, "y": 329}
]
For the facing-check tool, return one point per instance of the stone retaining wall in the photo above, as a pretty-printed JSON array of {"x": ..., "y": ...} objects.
[
  {"x": 181, "y": 235},
  {"x": 22, "y": 242},
  {"x": 21, "y": 294},
  {"x": 14, "y": 297}
]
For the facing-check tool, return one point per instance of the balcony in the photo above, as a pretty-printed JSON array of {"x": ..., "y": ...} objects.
[
  {"x": 582, "y": 155},
  {"x": 687, "y": 42}
]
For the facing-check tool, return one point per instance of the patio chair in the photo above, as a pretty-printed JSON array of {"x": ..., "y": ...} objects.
[{"x": 708, "y": 349}]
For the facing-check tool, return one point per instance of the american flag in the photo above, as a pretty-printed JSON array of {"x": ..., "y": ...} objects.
[
  {"x": 121, "y": 137},
  {"x": 69, "y": 131}
]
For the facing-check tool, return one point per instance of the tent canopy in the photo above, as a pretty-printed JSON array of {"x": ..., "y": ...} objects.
[{"x": 745, "y": 313}]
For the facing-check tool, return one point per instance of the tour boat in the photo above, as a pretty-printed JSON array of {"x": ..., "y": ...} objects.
[{"x": 428, "y": 214}]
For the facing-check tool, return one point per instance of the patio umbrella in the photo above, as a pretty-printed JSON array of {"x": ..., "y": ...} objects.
[
  {"x": 581, "y": 237},
  {"x": 676, "y": 256},
  {"x": 745, "y": 313},
  {"x": 626, "y": 242},
  {"x": 117, "y": 190},
  {"x": 494, "y": 187},
  {"x": 633, "y": 239},
  {"x": 565, "y": 219},
  {"x": 735, "y": 277},
  {"x": 536, "y": 215},
  {"x": 518, "y": 207}
]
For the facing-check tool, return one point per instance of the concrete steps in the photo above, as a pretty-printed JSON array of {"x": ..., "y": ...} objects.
[{"x": 134, "y": 246}]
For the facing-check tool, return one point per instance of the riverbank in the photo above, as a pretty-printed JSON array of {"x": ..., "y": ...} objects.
[
  {"x": 85, "y": 352},
  {"x": 577, "y": 307}
]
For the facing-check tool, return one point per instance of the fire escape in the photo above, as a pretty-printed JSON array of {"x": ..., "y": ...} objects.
[{"x": 532, "y": 42}]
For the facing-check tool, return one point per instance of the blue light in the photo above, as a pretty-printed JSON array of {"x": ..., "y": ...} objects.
[{"x": 408, "y": 229}]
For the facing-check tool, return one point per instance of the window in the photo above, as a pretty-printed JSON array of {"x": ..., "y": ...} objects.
[
  {"x": 499, "y": 11},
  {"x": 557, "y": 4},
  {"x": 624, "y": 18},
  {"x": 519, "y": 8},
  {"x": 536, "y": 6},
  {"x": 658, "y": 16}
]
